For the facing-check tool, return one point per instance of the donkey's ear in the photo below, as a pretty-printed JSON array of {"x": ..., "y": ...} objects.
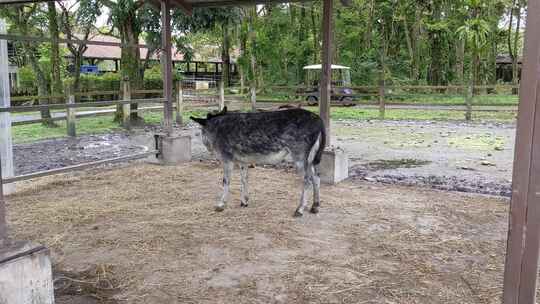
[
  {"x": 224, "y": 111},
  {"x": 200, "y": 121}
]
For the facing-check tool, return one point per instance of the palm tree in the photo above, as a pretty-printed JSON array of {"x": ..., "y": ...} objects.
[{"x": 474, "y": 33}]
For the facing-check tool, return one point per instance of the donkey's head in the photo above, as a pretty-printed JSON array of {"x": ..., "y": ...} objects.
[{"x": 207, "y": 125}]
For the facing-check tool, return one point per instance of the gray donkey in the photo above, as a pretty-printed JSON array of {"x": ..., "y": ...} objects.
[{"x": 293, "y": 135}]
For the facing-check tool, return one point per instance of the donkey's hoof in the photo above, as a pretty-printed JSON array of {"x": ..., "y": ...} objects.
[
  {"x": 314, "y": 210},
  {"x": 219, "y": 208},
  {"x": 298, "y": 214},
  {"x": 243, "y": 205}
]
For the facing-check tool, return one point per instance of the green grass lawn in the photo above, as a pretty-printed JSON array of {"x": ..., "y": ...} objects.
[
  {"x": 398, "y": 114},
  {"x": 424, "y": 99},
  {"x": 104, "y": 124},
  {"x": 86, "y": 125}
]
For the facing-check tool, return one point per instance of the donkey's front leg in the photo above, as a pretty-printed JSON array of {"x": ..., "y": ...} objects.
[
  {"x": 227, "y": 170},
  {"x": 244, "y": 196}
]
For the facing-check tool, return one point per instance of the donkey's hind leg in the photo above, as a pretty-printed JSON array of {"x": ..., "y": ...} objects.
[
  {"x": 316, "y": 181},
  {"x": 307, "y": 183}
]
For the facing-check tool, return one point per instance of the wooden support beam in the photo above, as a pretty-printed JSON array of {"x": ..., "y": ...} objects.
[
  {"x": 521, "y": 269},
  {"x": 166, "y": 61},
  {"x": 187, "y": 8},
  {"x": 326, "y": 71},
  {"x": 3, "y": 222},
  {"x": 6, "y": 144}
]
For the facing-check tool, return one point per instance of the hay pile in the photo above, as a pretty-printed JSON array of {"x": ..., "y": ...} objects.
[{"x": 148, "y": 234}]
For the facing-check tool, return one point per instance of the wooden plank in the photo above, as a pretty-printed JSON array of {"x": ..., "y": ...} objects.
[
  {"x": 78, "y": 105},
  {"x": 78, "y": 167},
  {"x": 62, "y": 40},
  {"x": 71, "y": 116},
  {"x": 326, "y": 72},
  {"x": 521, "y": 258},
  {"x": 166, "y": 61}
]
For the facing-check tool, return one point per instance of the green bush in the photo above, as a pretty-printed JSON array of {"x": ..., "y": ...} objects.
[
  {"x": 105, "y": 82},
  {"x": 27, "y": 80}
]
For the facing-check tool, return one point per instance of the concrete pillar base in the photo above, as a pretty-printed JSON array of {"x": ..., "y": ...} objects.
[
  {"x": 25, "y": 274},
  {"x": 174, "y": 149},
  {"x": 334, "y": 166}
]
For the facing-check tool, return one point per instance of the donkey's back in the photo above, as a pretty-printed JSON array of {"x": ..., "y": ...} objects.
[{"x": 294, "y": 135}]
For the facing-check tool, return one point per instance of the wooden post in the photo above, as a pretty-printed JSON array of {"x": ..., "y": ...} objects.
[
  {"x": 3, "y": 224},
  {"x": 126, "y": 108},
  {"x": 382, "y": 101},
  {"x": 71, "y": 118},
  {"x": 521, "y": 269},
  {"x": 469, "y": 93},
  {"x": 179, "y": 103},
  {"x": 6, "y": 145},
  {"x": 166, "y": 61},
  {"x": 221, "y": 95},
  {"x": 326, "y": 72},
  {"x": 253, "y": 96}
]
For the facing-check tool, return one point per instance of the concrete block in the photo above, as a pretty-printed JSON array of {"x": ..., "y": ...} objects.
[
  {"x": 175, "y": 149},
  {"x": 25, "y": 274},
  {"x": 334, "y": 166}
]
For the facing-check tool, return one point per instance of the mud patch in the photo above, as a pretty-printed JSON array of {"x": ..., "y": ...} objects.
[
  {"x": 389, "y": 164},
  {"x": 447, "y": 183}
]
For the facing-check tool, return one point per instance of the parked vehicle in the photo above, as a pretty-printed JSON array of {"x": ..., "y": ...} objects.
[{"x": 341, "y": 82}]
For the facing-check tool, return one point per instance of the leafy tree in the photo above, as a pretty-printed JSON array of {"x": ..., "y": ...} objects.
[
  {"x": 30, "y": 20},
  {"x": 77, "y": 23},
  {"x": 475, "y": 33}
]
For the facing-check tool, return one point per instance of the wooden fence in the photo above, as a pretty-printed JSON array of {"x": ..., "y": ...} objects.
[{"x": 195, "y": 98}]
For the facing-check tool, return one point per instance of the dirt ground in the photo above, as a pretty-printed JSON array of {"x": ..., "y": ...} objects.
[
  {"x": 145, "y": 233},
  {"x": 442, "y": 155},
  {"x": 467, "y": 157}
]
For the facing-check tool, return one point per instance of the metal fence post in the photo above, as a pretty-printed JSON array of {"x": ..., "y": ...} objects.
[
  {"x": 179, "y": 103},
  {"x": 71, "y": 117},
  {"x": 221, "y": 95},
  {"x": 126, "y": 107}
]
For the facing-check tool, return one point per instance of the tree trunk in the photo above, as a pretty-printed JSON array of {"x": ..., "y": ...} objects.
[
  {"x": 303, "y": 56},
  {"x": 409, "y": 46},
  {"x": 130, "y": 63},
  {"x": 314, "y": 27},
  {"x": 42, "y": 84},
  {"x": 368, "y": 33},
  {"x": 225, "y": 57},
  {"x": 513, "y": 48},
  {"x": 253, "y": 61},
  {"x": 515, "y": 57},
  {"x": 436, "y": 73},
  {"x": 415, "y": 44},
  {"x": 460, "y": 63},
  {"x": 56, "y": 85}
]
